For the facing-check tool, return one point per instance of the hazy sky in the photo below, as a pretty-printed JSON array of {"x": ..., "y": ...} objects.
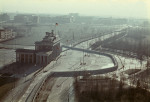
[{"x": 121, "y": 8}]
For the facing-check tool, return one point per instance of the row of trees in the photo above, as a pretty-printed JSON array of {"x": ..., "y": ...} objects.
[
  {"x": 132, "y": 42},
  {"x": 103, "y": 89}
]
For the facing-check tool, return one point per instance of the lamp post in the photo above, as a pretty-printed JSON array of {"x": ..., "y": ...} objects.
[{"x": 25, "y": 77}]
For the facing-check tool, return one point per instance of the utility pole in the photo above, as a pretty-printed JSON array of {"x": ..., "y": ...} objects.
[
  {"x": 73, "y": 39},
  {"x": 73, "y": 36},
  {"x": 83, "y": 56},
  {"x": 25, "y": 77},
  {"x": 68, "y": 97}
]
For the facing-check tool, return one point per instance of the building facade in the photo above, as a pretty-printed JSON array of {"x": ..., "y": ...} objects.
[
  {"x": 6, "y": 34},
  {"x": 45, "y": 51}
]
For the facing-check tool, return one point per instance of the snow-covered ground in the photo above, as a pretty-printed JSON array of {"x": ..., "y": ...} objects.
[
  {"x": 126, "y": 63},
  {"x": 62, "y": 90},
  {"x": 71, "y": 60},
  {"x": 131, "y": 63}
]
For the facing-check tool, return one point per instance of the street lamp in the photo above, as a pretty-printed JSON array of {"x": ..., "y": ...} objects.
[{"x": 24, "y": 77}]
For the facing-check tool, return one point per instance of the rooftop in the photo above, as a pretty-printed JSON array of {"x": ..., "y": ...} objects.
[
  {"x": 26, "y": 50},
  {"x": 45, "y": 53}
]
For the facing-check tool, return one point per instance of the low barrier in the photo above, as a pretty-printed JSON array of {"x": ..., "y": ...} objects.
[{"x": 91, "y": 72}]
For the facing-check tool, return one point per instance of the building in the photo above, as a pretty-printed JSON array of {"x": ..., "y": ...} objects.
[
  {"x": 35, "y": 19},
  {"x": 73, "y": 17},
  {"x": 50, "y": 19},
  {"x": 26, "y": 18},
  {"x": 20, "y": 18},
  {"x": 45, "y": 51},
  {"x": 6, "y": 34},
  {"x": 4, "y": 17}
]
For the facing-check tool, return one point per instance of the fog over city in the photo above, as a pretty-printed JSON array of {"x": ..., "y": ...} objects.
[
  {"x": 74, "y": 50},
  {"x": 112, "y": 8}
]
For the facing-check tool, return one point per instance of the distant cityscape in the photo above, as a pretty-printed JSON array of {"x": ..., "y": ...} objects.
[
  {"x": 10, "y": 30},
  {"x": 70, "y": 18}
]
